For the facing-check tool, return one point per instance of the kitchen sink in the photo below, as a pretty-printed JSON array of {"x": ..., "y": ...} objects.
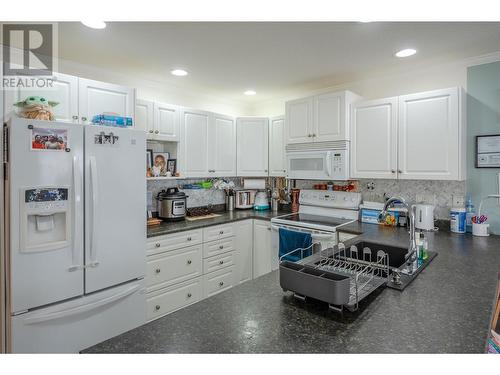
[{"x": 396, "y": 261}]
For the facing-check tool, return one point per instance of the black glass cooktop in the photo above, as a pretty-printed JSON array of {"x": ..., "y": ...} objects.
[{"x": 315, "y": 219}]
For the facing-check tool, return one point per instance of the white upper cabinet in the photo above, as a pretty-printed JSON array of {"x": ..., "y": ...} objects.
[
  {"x": 221, "y": 146},
  {"x": 194, "y": 143},
  {"x": 97, "y": 97},
  {"x": 166, "y": 122},
  {"x": 64, "y": 91},
  {"x": 277, "y": 160},
  {"x": 419, "y": 136},
  {"x": 320, "y": 118},
  {"x": 299, "y": 120},
  {"x": 374, "y": 139},
  {"x": 144, "y": 116},
  {"x": 431, "y": 136},
  {"x": 252, "y": 135},
  {"x": 329, "y": 117}
]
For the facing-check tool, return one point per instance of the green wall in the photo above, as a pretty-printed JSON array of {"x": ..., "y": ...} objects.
[{"x": 483, "y": 117}]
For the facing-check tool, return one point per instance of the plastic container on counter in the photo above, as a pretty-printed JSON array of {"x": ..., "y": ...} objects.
[{"x": 457, "y": 219}]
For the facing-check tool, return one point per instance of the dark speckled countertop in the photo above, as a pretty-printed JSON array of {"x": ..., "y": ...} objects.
[
  {"x": 446, "y": 309},
  {"x": 225, "y": 217}
]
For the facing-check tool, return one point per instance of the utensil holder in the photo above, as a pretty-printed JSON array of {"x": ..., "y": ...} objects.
[{"x": 481, "y": 230}]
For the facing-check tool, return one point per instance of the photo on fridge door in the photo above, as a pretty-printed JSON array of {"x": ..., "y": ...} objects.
[
  {"x": 49, "y": 139},
  {"x": 106, "y": 139}
]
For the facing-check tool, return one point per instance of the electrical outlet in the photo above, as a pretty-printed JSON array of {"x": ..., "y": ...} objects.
[
  {"x": 425, "y": 198},
  {"x": 457, "y": 200}
]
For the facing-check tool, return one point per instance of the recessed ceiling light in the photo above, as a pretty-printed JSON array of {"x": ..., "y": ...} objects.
[
  {"x": 406, "y": 52},
  {"x": 179, "y": 72},
  {"x": 250, "y": 92},
  {"x": 95, "y": 24}
]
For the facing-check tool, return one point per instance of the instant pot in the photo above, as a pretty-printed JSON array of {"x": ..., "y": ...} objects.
[{"x": 172, "y": 204}]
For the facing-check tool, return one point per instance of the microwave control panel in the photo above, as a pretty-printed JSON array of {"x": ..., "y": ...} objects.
[{"x": 340, "y": 165}]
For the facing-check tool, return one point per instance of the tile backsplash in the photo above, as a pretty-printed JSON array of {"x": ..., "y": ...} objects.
[
  {"x": 438, "y": 193},
  {"x": 196, "y": 197}
]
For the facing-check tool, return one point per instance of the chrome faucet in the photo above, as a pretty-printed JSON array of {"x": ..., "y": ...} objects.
[{"x": 411, "y": 256}]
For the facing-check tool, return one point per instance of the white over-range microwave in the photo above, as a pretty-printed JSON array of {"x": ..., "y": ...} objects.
[{"x": 311, "y": 163}]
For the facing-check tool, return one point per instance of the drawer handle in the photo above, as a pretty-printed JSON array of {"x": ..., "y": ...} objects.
[
  {"x": 189, "y": 261},
  {"x": 221, "y": 283},
  {"x": 158, "y": 270},
  {"x": 221, "y": 232},
  {"x": 189, "y": 295},
  {"x": 189, "y": 238},
  {"x": 221, "y": 262},
  {"x": 157, "y": 307},
  {"x": 157, "y": 244},
  {"x": 221, "y": 247}
]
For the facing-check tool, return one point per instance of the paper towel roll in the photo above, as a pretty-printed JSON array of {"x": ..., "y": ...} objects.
[{"x": 254, "y": 183}]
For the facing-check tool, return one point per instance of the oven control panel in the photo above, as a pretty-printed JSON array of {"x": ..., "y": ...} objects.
[{"x": 333, "y": 199}]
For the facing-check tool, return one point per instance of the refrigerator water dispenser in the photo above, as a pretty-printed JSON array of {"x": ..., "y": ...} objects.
[{"x": 45, "y": 219}]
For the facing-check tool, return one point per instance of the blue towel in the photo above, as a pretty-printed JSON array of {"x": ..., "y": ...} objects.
[{"x": 291, "y": 240}]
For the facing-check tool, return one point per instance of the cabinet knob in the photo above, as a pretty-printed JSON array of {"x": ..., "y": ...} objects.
[
  {"x": 157, "y": 244},
  {"x": 221, "y": 283},
  {"x": 400, "y": 171},
  {"x": 157, "y": 307},
  {"x": 265, "y": 170},
  {"x": 269, "y": 228},
  {"x": 189, "y": 238},
  {"x": 75, "y": 117},
  {"x": 151, "y": 131},
  {"x": 309, "y": 135},
  {"x": 393, "y": 171},
  {"x": 221, "y": 232},
  {"x": 158, "y": 270},
  {"x": 314, "y": 135},
  {"x": 189, "y": 295},
  {"x": 84, "y": 118},
  {"x": 189, "y": 261},
  {"x": 221, "y": 247},
  {"x": 221, "y": 262},
  {"x": 284, "y": 170},
  {"x": 156, "y": 131}
]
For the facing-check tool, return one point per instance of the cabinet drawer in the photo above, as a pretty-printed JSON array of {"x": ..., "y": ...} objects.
[
  {"x": 218, "y": 281},
  {"x": 173, "y": 267},
  {"x": 218, "y": 247},
  {"x": 218, "y": 262},
  {"x": 173, "y": 298},
  {"x": 173, "y": 241},
  {"x": 217, "y": 232}
]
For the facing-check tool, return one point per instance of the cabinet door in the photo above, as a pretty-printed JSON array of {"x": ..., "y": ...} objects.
[
  {"x": 222, "y": 146},
  {"x": 374, "y": 139},
  {"x": 244, "y": 251},
  {"x": 64, "y": 92},
  {"x": 194, "y": 139},
  {"x": 166, "y": 122},
  {"x": 144, "y": 117},
  {"x": 429, "y": 135},
  {"x": 252, "y": 146},
  {"x": 277, "y": 162},
  {"x": 329, "y": 117},
  {"x": 299, "y": 120},
  {"x": 97, "y": 97},
  {"x": 262, "y": 254}
]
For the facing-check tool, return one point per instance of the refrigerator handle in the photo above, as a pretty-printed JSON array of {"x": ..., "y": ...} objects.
[
  {"x": 77, "y": 198},
  {"x": 93, "y": 225},
  {"x": 40, "y": 318}
]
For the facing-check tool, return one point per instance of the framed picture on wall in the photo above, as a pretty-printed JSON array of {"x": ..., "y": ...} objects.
[
  {"x": 488, "y": 151},
  {"x": 172, "y": 166}
]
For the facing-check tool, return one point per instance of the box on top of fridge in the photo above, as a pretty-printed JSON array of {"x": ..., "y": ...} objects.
[{"x": 112, "y": 120}]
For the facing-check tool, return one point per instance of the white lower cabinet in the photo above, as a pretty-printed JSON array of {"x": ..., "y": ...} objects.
[
  {"x": 244, "y": 251},
  {"x": 167, "y": 300},
  {"x": 262, "y": 248},
  {"x": 218, "y": 281}
]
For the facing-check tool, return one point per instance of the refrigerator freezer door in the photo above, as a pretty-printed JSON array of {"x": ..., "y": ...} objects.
[
  {"x": 72, "y": 326},
  {"x": 45, "y": 184},
  {"x": 115, "y": 206}
]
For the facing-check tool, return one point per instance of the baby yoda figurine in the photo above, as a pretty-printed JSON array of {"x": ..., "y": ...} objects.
[{"x": 36, "y": 108}]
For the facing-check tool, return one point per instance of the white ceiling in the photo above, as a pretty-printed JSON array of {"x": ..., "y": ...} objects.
[{"x": 275, "y": 59}]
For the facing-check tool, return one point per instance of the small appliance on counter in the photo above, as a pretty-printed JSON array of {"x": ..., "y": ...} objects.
[
  {"x": 244, "y": 199},
  {"x": 261, "y": 202},
  {"x": 172, "y": 204},
  {"x": 424, "y": 216}
]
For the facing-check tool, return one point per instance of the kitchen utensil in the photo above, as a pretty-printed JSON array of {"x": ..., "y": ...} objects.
[
  {"x": 172, "y": 204},
  {"x": 424, "y": 216}
]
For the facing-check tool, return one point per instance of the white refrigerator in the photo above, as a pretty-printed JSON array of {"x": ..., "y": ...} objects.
[{"x": 76, "y": 209}]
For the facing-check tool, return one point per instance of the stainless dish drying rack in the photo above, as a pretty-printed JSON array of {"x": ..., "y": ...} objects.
[{"x": 340, "y": 276}]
